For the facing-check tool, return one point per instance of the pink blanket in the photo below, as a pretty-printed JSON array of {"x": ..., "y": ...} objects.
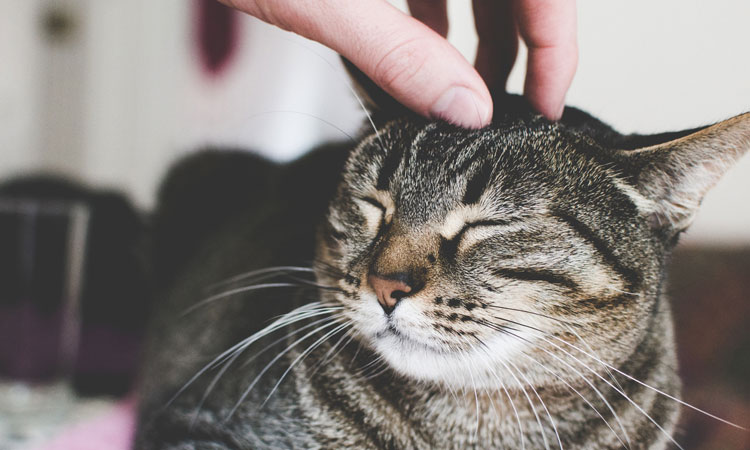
[{"x": 113, "y": 431}]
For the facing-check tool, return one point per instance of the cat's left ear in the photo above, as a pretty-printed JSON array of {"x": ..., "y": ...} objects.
[
  {"x": 378, "y": 103},
  {"x": 674, "y": 176}
]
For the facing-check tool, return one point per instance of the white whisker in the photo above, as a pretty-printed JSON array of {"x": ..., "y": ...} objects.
[
  {"x": 236, "y": 291},
  {"x": 349, "y": 86},
  {"x": 302, "y": 355},
  {"x": 377, "y": 367},
  {"x": 630, "y": 377},
  {"x": 632, "y": 402},
  {"x": 287, "y": 336},
  {"x": 382, "y": 370},
  {"x": 531, "y": 404},
  {"x": 332, "y": 352},
  {"x": 550, "y": 371},
  {"x": 270, "y": 364},
  {"x": 512, "y": 405},
  {"x": 211, "y": 385},
  {"x": 586, "y": 380},
  {"x": 476, "y": 400},
  {"x": 609, "y": 372},
  {"x": 549, "y": 416},
  {"x": 274, "y": 270},
  {"x": 302, "y": 113},
  {"x": 301, "y": 313}
]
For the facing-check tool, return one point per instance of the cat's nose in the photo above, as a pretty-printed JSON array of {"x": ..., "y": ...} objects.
[{"x": 390, "y": 290}]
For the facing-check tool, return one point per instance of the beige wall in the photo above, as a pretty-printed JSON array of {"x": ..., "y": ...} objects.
[
  {"x": 645, "y": 66},
  {"x": 19, "y": 85},
  {"x": 649, "y": 66}
]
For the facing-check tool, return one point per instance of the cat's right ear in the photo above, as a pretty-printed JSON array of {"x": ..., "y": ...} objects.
[
  {"x": 674, "y": 176},
  {"x": 378, "y": 103}
]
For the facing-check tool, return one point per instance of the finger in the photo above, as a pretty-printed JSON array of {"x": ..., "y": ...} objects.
[
  {"x": 548, "y": 27},
  {"x": 403, "y": 56},
  {"x": 498, "y": 41},
  {"x": 432, "y": 13}
]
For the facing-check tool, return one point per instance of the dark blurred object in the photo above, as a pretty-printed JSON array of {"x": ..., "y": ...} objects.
[
  {"x": 710, "y": 291},
  {"x": 42, "y": 255},
  {"x": 217, "y": 34},
  {"x": 114, "y": 296},
  {"x": 58, "y": 24},
  {"x": 42, "y": 247}
]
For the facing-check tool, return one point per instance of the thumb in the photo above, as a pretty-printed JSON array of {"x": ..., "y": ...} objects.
[{"x": 406, "y": 58}]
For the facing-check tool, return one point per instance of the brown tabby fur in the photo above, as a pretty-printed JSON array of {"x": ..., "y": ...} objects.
[{"x": 535, "y": 253}]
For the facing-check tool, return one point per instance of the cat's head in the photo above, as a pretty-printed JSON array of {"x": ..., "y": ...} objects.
[{"x": 462, "y": 255}]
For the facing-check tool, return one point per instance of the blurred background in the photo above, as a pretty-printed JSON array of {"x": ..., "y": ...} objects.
[{"x": 108, "y": 93}]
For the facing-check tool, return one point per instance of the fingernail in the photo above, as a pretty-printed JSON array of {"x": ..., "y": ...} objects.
[{"x": 461, "y": 106}]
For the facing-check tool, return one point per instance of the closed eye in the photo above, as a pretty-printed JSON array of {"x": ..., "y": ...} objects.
[
  {"x": 375, "y": 213},
  {"x": 374, "y": 203},
  {"x": 529, "y": 274},
  {"x": 449, "y": 247}
]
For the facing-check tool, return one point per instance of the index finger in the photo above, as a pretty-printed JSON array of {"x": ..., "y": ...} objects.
[
  {"x": 548, "y": 27},
  {"x": 406, "y": 58}
]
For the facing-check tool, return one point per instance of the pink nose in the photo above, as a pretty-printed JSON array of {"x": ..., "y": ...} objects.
[{"x": 388, "y": 291}]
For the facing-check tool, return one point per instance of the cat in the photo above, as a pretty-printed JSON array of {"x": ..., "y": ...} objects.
[{"x": 493, "y": 288}]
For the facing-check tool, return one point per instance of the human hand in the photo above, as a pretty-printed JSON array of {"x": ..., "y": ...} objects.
[{"x": 411, "y": 60}]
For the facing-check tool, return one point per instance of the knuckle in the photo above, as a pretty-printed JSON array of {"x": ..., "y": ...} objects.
[
  {"x": 277, "y": 13},
  {"x": 402, "y": 63}
]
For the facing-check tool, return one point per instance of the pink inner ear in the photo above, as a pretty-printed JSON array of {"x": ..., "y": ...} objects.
[
  {"x": 114, "y": 430},
  {"x": 678, "y": 173}
]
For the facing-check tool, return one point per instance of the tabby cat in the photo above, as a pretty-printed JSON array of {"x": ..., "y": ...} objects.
[{"x": 494, "y": 288}]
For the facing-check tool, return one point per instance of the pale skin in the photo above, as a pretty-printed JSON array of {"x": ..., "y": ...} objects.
[{"x": 409, "y": 57}]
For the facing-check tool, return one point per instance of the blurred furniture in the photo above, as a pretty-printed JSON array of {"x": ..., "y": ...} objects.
[{"x": 710, "y": 291}]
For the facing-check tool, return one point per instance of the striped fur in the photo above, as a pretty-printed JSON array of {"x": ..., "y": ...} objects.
[{"x": 535, "y": 252}]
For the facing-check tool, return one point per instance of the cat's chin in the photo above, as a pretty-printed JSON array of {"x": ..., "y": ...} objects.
[
  {"x": 408, "y": 349},
  {"x": 485, "y": 367}
]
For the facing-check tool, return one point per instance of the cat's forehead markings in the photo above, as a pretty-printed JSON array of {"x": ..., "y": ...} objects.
[
  {"x": 390, "y": 164},
  {"x": 397, "y": 156},
  {"x": 478, "y": 183}
]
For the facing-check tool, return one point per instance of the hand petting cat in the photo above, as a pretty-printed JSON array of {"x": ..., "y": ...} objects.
[{"x": 410, "y": 58}]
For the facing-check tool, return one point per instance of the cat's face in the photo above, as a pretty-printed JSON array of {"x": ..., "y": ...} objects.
[{"x": 465, "y": 257}]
